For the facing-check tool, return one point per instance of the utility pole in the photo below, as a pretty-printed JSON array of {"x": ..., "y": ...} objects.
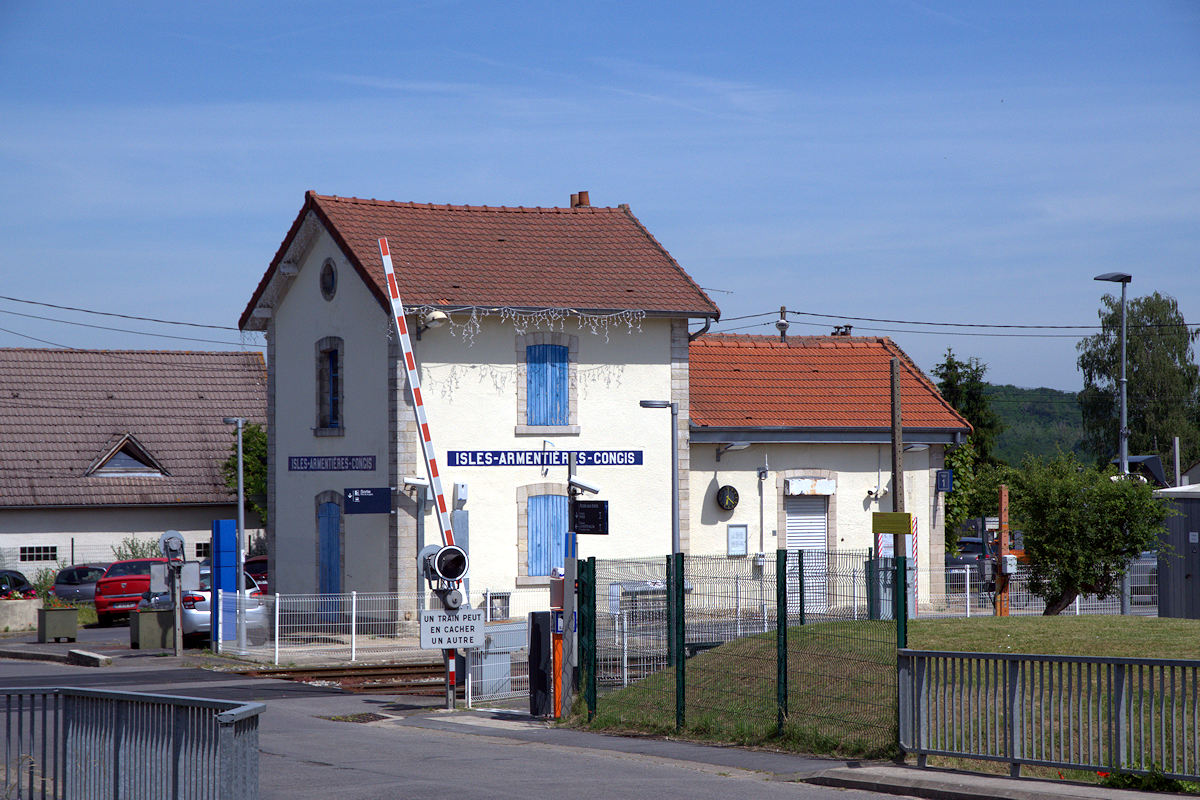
[{"x": 897, "y": 456}]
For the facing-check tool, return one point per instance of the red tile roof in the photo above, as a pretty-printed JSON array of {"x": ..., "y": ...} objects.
[
  {"x": 61, "y": 410},
  {"x": 587, "y": 258},
  {"x": 809, "y": 382}
]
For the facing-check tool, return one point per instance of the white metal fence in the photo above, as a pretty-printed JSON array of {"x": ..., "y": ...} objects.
[
  {"x": 383, "y": 627},
  {"x": 963, "y": 592}
]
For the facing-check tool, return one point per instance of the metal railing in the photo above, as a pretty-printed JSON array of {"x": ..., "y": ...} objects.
[
  {"x": 499, "y": 671},
  {"x": 1128, "y": 714},
  {"x": 963, "y": 592},
  {"x": 91, "y": 743}
]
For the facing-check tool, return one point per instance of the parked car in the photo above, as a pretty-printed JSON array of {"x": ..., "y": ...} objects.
[
  {"x": 257, "y": 567},
  {"x": 197, "y": 608},
  {"x": 13, "y": 584},
  {"x": 120, "y": 588},
  {"x": 77, "y": 583}
]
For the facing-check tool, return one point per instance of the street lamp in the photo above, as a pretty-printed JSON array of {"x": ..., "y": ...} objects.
[
  {"x": 241, "y": 535},
  {"x": 1122, "y": 278},
  {"x": 674, "y": 465}
]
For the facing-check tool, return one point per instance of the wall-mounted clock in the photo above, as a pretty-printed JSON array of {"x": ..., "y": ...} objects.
[{"x": 727, "y": 498}]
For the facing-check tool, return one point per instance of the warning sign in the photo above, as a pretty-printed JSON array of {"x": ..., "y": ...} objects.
[{"x": 445, "y": 630}]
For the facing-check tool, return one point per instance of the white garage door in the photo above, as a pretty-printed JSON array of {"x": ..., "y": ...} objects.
[{"x": 807, "y": 530}]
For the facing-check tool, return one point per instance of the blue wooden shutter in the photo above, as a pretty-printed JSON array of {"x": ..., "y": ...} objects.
[
  {"x": 547, "y": 390},
  {"x": 329, "y": 549},
  {"x": 547, "y": 532}
]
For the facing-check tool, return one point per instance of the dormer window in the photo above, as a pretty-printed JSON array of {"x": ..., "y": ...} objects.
[{"x": 126, "y": 458}]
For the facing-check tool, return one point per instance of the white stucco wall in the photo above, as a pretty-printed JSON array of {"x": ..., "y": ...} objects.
[
  {"x": 301, "y": 320},
  {"x": 92, "y": 533},
  {"x": 856, "y": 468},
  {"x": 471, "y": 387}
]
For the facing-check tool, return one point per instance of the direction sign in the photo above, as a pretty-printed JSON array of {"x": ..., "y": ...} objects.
[{"x": 445, "y": 630}]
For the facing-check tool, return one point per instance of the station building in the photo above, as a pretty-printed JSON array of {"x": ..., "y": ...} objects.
[{"x": 538, "y": 332}]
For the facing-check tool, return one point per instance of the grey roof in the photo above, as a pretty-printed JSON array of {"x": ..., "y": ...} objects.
[{"x": 64, "y": 413}]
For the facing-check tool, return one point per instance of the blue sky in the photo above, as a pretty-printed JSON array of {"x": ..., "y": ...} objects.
[{"x": 926, "y": 161}]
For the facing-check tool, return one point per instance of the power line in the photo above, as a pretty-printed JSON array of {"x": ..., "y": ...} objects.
[
  {"x": 118, "y": 330},
  {"x": 121, "y": 316}
]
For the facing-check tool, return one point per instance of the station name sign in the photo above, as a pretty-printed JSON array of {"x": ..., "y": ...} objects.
[
  {"x": 331, "y": 463},
  {"x": 543, "y": 458}
]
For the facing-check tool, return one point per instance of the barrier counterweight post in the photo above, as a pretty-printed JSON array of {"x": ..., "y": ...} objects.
[{"x": 679, "y": 638}]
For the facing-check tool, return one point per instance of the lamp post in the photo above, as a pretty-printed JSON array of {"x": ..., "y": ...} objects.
[
  {"x": 1122, "y": 278},
  {"x": 674, "y": 465},
  {"x": 240, "y": 422}
]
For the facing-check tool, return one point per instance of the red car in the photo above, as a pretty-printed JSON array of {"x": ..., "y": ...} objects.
[
  {"x": 118, "y": 592},
  {"x": 257, "y": 567}
]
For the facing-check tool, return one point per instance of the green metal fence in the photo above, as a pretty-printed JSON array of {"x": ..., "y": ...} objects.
[{"x": 799, "y": 649}]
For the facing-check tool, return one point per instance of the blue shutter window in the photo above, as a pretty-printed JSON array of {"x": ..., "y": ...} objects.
[
  {"x": 547, "y": 532},
  {"x": 547, "y": 401}
]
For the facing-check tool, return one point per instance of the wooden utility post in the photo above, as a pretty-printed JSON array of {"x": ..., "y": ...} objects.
[
  {"x": 1001, "y": 551},
  {"x": 897, "y": 456}
]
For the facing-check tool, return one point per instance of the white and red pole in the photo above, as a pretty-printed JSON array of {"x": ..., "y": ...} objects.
[{"x": 414, "y": 385}]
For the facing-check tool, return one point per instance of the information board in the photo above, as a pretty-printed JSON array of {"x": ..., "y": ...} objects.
[{"x": 444, "y": 630}]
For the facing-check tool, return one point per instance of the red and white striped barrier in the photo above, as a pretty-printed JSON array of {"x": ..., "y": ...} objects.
[{"x": 414, "y": 385}]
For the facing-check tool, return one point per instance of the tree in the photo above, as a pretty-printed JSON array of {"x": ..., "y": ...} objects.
[
  {"x": 962, "y": 386},
  {"x": 1163, "y": 381},
  {"x": 1082, "y": 528},
  {"x": 254, "y": 467}
]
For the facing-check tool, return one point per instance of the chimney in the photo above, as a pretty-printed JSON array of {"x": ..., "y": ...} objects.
[
  {"x": 574, "y": 199},
  {"x": 580, "y": 199}
]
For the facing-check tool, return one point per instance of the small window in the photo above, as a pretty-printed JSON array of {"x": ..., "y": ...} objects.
[
  {"x": 547, "y": 388},
  {"x": 328, "y": 279},
  {"x": 203, "y": 549},
  {"x": 39, "y": 553},
  {"x": 330, "y": 381}
]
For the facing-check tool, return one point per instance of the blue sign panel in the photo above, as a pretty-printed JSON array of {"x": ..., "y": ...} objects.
[
  {"x": 543, "y": 458},
  {"x": 367, "y": 501},
  {"x": 331, "y": 463},
  {"x": 945, "y": 480}
]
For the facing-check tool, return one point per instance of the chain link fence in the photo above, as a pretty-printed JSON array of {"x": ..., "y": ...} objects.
[{"x": 798, "y": 649}]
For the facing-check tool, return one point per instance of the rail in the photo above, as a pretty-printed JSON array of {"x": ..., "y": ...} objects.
[
  {"x": 94, "y": 743},
  {"x": 1102, "y": 714}
]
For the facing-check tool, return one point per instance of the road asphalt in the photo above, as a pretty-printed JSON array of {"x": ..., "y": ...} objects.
[{"x": 323, "y": 742}]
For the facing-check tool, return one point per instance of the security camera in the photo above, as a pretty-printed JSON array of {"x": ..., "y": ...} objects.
[
  {"x": 580, "y": 485},
  {"x": 412, "y": 480}
]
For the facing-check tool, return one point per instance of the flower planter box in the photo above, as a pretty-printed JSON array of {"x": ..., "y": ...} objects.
[
  {"x": 57, "y": 623},
  {"x": 152, "y": 629}
]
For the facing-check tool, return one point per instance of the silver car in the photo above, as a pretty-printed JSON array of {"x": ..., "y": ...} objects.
[
  {"x": 77, "y": 583},
  {"x": 197, "y": 608}
]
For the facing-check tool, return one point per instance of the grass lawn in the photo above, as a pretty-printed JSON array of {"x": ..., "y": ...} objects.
[
  {"x": 1132, "y": 637},
  {"x": 841, "y": 684}
]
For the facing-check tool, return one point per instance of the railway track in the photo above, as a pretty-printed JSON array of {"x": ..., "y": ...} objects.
[{"x": 426, "y": 679}]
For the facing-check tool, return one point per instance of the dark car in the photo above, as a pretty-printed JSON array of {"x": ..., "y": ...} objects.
[
  {"x": 257, "y": 567},
  {"x": 77, "y": 583},
  {"x": 14, "y": 584},
  {"x": 971, "y": 553},
  {"x": 121, "y": 587}
]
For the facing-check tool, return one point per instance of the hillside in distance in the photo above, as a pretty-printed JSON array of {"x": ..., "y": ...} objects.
[{"x": 1036, "y": 422}]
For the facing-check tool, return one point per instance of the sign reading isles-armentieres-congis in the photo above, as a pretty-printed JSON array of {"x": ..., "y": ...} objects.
[
  {"x": 331, "y": 463},
  {"x": 445, "y": 630},
  {"x": 543, "y": 458},
  {"x": 367, "y": 501}
]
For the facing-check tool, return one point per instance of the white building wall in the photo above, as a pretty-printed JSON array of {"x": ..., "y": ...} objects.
[
  {"x": 857, "y": 470},
  {"x": 303, "y": 318},
  {"x": 90, "y": 534},
  {"x": 471, "y": 385}
]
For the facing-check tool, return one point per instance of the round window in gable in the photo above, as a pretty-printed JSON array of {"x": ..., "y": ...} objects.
[{"x": 328, "y": 279}]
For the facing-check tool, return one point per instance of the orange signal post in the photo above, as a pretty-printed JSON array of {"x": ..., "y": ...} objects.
[{"x": 1002, "y": 551}]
